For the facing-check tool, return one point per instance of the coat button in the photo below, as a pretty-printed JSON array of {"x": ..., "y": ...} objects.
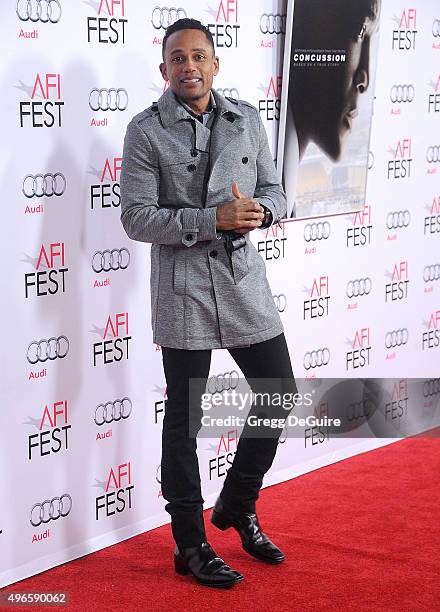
[
  {"x": 192, "y": 168},
  {"x": 213, "y": 253},
  {"x": 188, "y": 237},
  {"x": 244, "y": 160},
  {"x": 194, "y": 153}
]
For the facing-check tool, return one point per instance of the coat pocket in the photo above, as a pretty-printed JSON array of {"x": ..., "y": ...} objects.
[
  {"x": 240, "y": 264},
  {"x": 179, "y": 273}
]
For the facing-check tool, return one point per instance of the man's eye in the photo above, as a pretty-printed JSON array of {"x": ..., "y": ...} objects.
[
  {"x": 177, "y": 59},
  {"x": 200, "y": 57}
]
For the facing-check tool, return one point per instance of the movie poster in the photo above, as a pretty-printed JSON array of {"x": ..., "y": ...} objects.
[{"x": 327, "y": 104}]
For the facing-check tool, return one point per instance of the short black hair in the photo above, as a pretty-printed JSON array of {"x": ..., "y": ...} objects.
[{"x": 187, "y": 24}]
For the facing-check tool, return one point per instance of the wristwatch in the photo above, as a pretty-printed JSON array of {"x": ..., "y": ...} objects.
[{"x": 267, "y": 217}]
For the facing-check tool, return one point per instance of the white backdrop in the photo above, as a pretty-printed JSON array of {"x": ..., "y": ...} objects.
[{"x": 380, "y": 271}]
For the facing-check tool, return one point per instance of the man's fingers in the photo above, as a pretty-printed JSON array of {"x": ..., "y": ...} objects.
[{"x": 236, "y": 192}]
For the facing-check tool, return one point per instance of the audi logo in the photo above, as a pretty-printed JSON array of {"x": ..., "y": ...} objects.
[
  {"x": 358, "y": 287},
  {"x": 40, "y": 185},
  {"x": 436, "y": 28},
  {"x": 116, "y": 259},
  {"x": 402, "y": 93},
  {"x": 317, "y": 231},
  {"x": 39, "y": 10},
  {"x": 108, "y": 99},
  {"x": 431, "y": 387},
  {"x": 231, "y": 92},
  {"x": 433, "y": 154},
  {"x": 42, "y": 350},
  {"x": 113, "y": 411},
  {"x": 316, "y": 359},
  {"x": 431, "y": 273},
  {"x": 397, "y": 337},
  {"x": 273, "y": 23},
  {"x": 162, "y": 17},
  {"x": 398, "y": 219},
  {"x": 51, "y": 509},
  {"x": 280, "y": 302},
  {"x": 222, "y": 382}
]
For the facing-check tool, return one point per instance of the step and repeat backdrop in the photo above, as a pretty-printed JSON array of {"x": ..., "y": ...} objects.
[{"x": 83, "y": 390}]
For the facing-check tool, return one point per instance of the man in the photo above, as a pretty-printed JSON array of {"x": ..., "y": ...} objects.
[
  {"x": 197, "y": 177},
  {"x": 323, "y": 100}
]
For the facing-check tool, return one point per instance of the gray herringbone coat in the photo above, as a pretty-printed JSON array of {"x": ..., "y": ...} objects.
[{"x": 200, "y": 298}]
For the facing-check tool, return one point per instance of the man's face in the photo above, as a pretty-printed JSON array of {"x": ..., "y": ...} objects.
[
  {"x": 190, "y": 64},
  {"x": 329, "y": 98}
]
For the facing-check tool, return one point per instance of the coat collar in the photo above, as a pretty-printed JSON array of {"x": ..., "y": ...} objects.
[{"x": 171, "y": 111}]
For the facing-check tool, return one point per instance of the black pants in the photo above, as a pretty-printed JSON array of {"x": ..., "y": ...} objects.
[{"x": 180, "y": 477}]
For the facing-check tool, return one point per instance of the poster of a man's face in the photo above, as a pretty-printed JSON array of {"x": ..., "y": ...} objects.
[{"x": 327, "y": 104}]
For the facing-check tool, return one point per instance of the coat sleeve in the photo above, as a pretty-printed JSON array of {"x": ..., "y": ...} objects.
[
  {"x": 141, "y": 215},
  {"x": 269, "y": 191}
]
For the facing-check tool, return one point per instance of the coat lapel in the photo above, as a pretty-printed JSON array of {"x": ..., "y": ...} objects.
[{"x": 228, "y": 125}]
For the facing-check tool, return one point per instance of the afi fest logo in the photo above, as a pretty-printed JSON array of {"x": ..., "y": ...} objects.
[
  {"x": 114, "y": 348},
  {"x": 434, "y": 98},
  {"x": 269, "y": 106},
  {"x": 431, "y": 337},
  {"x": 120, "y": 498},
  {"x": 45, "y": 108},
  {"x": 359, "y": 355},
  {"x": 397, "y": 288},
  {"x": 317, "y": 305},
  {"x": 397, "y": 407},
  {"x": 225, "y": 30},
  {"x": 107, "y": 193},
  {"x": 272, "y": 247},
  {"x": 109, "y": 25},
  {"x": 431, "y": 224},
  {"x": 359, "y": 234},
  {"x": 400, "y": 166},
  {"x": 224, "y": 454},
  {"x": 55, "y": 422},
  {"x": 318, "y": 434},
  {"x": 50, "y": 270},
  {"x": 404, "y": 36}
]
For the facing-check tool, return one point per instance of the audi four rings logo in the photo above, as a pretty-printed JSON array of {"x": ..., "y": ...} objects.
[
  {"x": 402, "y": 93},
  {"x": 317, "y": 231},
  {"x": 39, "y": 185},
  {"x": 272, "y": 23},
  {"x": 51, "y": 509},
  {"x": 397, "y": 337},
  {"x": 398, "y": 218},
  {"x": 222, "y": 382},
  {"x": 116, "y": 259},
  {"x": 108, "y": 99},
  {"x": 436, "y": 28},
  {"x": 358, "y": 287},
  {"x": 431, "y": 387},
  {"x": 229, "y": 92},
  {"x": 42, "y": 350},
  {"x": 113, "y": 411},
  {"x": 431, "y": 273},
  {"x": 280, "y": 302},
  {"x": 39, "y": 10},
  {"x": 433, "y": 154},
  {"x": 317, "y": 358},
  {"x": 162, "y": 16}
]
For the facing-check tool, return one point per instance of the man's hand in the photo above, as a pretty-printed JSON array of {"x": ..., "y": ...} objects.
[{"x": 241, "y": 214}]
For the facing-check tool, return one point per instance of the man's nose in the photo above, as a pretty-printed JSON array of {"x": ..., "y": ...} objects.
[{"x": 189, "y": 66}]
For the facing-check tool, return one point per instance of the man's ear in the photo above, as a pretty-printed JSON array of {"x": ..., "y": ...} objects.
[
  {"x": 163, "y": 71},
  {"x": 216, "y": 65}
]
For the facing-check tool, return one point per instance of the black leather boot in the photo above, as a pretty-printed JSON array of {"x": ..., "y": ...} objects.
[
  {"x": 206, "y": 567},
  {"x": 254, "y": 541}
]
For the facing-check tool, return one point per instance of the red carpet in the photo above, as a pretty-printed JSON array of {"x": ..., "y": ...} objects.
[{"x": 361, "y": 534}]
